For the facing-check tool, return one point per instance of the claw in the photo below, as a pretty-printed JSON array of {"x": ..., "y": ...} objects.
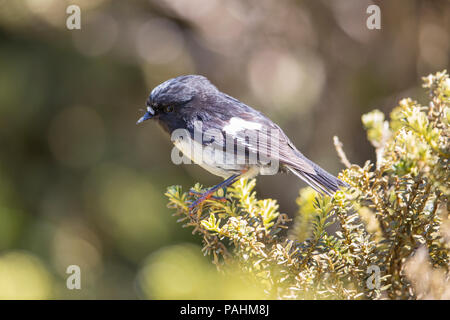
[
  {"x": 209, "y": 194},
  {"x": 203, "y": 197}
]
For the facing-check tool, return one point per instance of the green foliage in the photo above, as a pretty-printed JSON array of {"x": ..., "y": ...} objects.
[{"x": 395, "y": 209}]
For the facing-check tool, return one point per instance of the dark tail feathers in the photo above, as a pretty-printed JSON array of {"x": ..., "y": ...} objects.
[{"x": 322, "y": 181}]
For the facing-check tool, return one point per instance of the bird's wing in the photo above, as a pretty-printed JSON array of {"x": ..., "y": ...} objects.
[
  {"x": 273, "y": 140},
  {"x": 254, "y": 133}
]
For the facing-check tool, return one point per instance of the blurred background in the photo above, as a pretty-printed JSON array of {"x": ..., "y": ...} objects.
[{"x": 81, "y": 184}]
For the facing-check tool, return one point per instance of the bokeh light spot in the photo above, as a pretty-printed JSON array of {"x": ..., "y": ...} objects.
[
  {"x": 23, "y": 276},
  {"x": 159, "y": 41}
]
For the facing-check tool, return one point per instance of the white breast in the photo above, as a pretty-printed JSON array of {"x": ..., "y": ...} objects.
[{"x": 200, "y": 156}]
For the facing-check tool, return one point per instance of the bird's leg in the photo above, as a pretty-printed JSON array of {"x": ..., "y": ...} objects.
[
  {"x": 199, "y": 194},
  {"x": 208, "y": 194}
]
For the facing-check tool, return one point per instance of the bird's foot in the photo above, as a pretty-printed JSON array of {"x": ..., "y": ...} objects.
[{"x": 202, "y": 197}]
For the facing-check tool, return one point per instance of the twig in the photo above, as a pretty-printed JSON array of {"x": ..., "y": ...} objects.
[{"x": 338, "y": 145}]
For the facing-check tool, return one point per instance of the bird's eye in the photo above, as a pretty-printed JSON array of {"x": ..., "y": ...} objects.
[{"x": 168, "y": 109}]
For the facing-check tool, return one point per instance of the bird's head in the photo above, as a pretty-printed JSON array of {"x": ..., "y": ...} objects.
[{"x": 167, "y": 100}]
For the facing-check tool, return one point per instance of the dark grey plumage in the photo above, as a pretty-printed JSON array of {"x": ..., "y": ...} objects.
[{"x": 179, "y": 102}]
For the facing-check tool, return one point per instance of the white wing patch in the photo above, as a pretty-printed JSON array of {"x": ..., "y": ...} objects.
[{"x": 237, "y": 124}]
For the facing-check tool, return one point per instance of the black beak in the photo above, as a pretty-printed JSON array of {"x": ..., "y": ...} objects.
[{"x": 148, "y": 115}]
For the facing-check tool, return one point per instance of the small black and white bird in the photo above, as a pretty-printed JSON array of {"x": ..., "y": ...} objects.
[{"x": 183, "y": 102}]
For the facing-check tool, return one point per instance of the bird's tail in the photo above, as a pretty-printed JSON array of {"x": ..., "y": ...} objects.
[{"x": 321, "y": 181}]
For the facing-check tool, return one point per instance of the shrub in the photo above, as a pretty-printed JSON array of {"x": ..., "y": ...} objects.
[{"x": 393, "y": 225}]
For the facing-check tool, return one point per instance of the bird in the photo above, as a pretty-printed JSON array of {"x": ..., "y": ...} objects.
[{"x": 241, "y": 141}]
